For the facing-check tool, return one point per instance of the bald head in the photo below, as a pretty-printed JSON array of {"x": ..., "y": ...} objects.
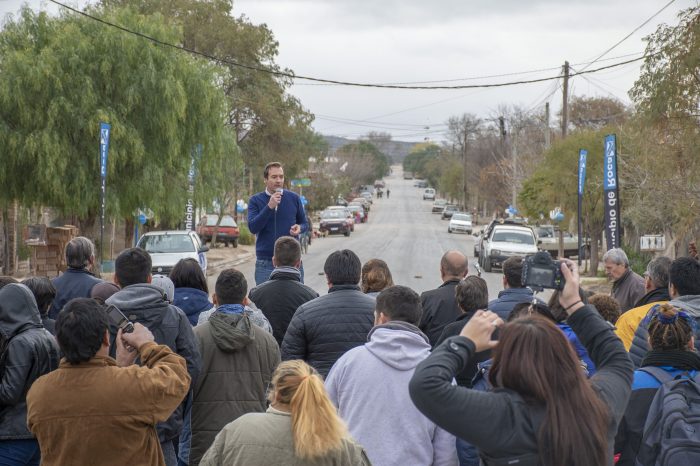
[{"x": 453, "y": 264}]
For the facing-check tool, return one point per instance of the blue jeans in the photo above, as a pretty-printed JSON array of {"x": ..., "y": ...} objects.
[
  {"x": 19, "y": 452},
  {"x": 263, "y": 269},
  {"x": 468, "y": 454}
]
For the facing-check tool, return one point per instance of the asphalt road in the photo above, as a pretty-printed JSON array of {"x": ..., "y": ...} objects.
[{"x": 403, "y": 232}]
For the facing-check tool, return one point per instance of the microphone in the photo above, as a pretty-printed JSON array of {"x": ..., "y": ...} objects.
[{"x": 278, "y": 190}]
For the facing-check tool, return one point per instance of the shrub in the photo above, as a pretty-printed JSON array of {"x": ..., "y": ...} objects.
[{"x": 245, "y": 236}]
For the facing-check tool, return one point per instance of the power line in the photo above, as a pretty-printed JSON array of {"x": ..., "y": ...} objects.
[
  {"x": 324, "y": 80},
  {"x": 629, "y": 35},
  {"x": 473, "y": 78}
]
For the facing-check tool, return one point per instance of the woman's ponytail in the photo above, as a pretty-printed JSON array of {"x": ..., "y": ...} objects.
[{"x": 316, "y": 427}]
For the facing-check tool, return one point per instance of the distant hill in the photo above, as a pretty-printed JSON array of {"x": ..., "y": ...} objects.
[{"x": 397, "y": 150}]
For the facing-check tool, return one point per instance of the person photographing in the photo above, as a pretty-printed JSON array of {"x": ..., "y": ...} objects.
[
  {"x": 543, "y": 410},
  {"x": 273, "y": 213}
]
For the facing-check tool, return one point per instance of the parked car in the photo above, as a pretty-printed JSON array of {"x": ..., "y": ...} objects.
[
  {"x": 477, "y": 244},
  {"x": 228, "y": 229},
  {"x": 334, "y": 221},
  {"x": 367, "y": 195},
  {"x": 548, "y": 237},
  {"x": 460, "y": 223},
  {"x": 349, "y": 215},
  {"x": 429, "y": 194},
  {"x": 439, "y": 205},
  {"x": 364, "y": 202},
  {"x": 166, "y": 248},
  {"x": 341, "y": 201},
  {"x": 380, "y": 184},
  {"x": 420, "y": 184},
  {"x": 357, "y": 207},
  {"x": 504, "y": 241},
  {"x": 448, "y": 211}
]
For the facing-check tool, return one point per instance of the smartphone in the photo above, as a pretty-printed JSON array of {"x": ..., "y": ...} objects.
[{"x": 118, "y": 319}]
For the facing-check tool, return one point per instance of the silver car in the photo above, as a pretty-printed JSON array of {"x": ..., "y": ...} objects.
[
  {"x": 166, "y": 248},
  {"x": 460, "y": 223}
]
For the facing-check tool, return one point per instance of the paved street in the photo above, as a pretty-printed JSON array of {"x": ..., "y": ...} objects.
[{"x": 403, "y": 232}]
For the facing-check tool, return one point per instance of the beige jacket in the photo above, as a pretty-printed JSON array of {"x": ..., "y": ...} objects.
[
  {"x": 264, "y": 439},
  {"x": 97, "y": 413}
]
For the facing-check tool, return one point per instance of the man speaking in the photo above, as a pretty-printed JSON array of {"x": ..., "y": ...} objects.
[{"x": 273, "y": 213}]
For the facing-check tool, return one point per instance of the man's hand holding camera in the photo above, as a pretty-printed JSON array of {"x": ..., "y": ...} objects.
[
  {"x": 569, "y": 297},
  {"x": 127, "y": 342}
]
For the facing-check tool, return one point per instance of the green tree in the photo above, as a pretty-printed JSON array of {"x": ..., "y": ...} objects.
[
  {"x": 662, "y": 141},
  {"x": 363, "y": 163},
  {"x": 63, "y": 75},
  {"x": 269, "y": 123},
  {"x": 555, "y": 184}
]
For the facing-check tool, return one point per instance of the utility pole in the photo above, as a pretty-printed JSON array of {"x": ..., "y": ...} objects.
[
  {"x": 565, "y": 103},
  {"x": 547, "y": 133},
  {"x": 514, "y": 151},
  {"x": 464, "y": 168}
]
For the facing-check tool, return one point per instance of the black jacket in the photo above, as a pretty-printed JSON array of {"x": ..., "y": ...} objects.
[
  {"x": 278, "y": 299},
  {"x": 464, "y": 377},
  {"x": 147, "y": 305},
  {"x": 323, "y": 329},
  {"x": 491, "y": 414},
  {"x": 27, "y": 351},
  {"x": 73, "y": 283},
  {"x": 439, "y": 309}
]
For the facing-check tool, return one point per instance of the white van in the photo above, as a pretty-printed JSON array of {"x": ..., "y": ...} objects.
[{"x": 429, "y": 194}]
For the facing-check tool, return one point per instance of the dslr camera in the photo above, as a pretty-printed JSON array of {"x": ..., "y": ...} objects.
[{"x": 541, "y": 271}]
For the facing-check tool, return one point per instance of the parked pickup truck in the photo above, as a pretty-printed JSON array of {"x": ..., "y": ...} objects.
[{"x": 548, "y": 237}]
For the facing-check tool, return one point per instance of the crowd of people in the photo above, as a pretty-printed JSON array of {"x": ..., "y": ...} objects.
[
  {"x": 161, "y": 370},
  {"x": 368, "y": 373}
]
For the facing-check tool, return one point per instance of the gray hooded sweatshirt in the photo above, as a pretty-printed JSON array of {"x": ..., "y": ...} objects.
[{"x": 369, "y": 385}]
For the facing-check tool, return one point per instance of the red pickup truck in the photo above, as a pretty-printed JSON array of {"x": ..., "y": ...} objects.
[{"x": 228, "y": 229}]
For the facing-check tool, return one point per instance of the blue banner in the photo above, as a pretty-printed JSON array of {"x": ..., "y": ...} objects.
[
  {"x": 582, "y": 154},
  {"x": 611, "y": 193},
  {"x": 104, "y": 148},
  {"x": 610, "y": 159}
]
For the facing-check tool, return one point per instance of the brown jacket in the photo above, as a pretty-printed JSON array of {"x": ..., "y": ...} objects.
[
  {"x": 238, "y": 359},
  {"x": 97, "y": 413},
  {"x": 628, "y": 290}
]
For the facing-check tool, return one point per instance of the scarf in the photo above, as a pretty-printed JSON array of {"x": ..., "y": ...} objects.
[
  {"x": 680, "y": 359},
  {"x": 231, "y": 308}
]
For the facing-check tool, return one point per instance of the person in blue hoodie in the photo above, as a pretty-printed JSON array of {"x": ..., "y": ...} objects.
[
  {"x": 273, "y": 213},
  {"x": 513, "y": 290},
  {"x": 369, "y": 385},
  {"x": 191, "y": 290}
]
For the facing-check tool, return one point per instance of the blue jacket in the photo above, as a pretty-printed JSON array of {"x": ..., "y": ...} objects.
[
  {"x": 508, "y": 298},
  {"x": 578, "y": 347},
  {"x": 192, "y": 301},
  {"x": 269, "y": 224},
  {"x": 73, "y": 283}
]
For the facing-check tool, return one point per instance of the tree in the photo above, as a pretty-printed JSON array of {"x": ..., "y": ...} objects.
[
  {"x": 664, "y": 169},
  {"x": 363, "y": 163},
  {"x": 461, "y": 130},
  {"x": 555, "y": 184},
  {"x": 269, "y": 123},
  {"x": 596, "y": 112},
  {"x": 63, "y": 75}
]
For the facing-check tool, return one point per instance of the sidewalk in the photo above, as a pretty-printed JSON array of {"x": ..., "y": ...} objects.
[{"x": 221, "y": 258}]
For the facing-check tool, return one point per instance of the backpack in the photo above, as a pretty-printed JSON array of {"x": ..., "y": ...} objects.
[{"x": 672, "y": 429}]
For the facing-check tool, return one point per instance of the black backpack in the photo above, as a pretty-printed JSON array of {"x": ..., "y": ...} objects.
[{"x": 672, "y": 429}]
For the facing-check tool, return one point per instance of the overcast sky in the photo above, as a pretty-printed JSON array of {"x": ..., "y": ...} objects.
[{"x": 397, "y": 41}]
